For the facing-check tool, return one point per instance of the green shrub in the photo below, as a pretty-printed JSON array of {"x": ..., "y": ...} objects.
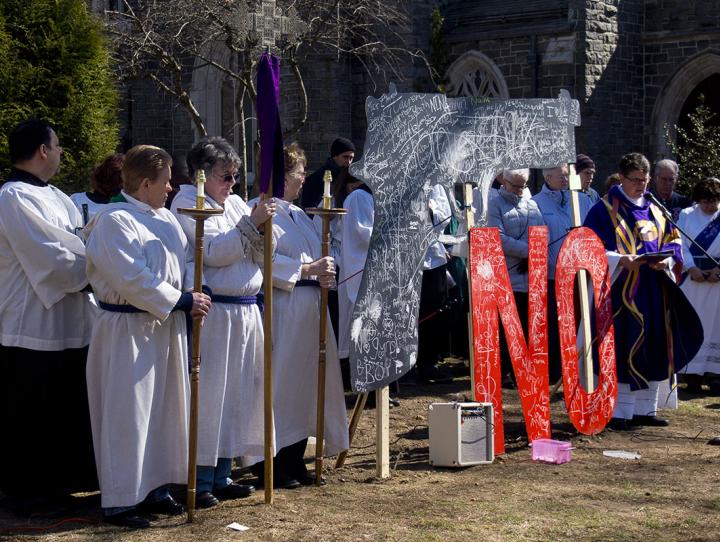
[{"x": 54, "y": 64}]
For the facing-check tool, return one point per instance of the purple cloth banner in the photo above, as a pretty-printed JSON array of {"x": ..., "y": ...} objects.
[{"x": 268, "y": 115}]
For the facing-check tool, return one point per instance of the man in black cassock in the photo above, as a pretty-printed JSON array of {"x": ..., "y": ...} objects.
[{"x": 45, "y": 328}]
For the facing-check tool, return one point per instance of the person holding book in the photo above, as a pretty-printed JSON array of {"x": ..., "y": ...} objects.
[{"x": 657, "y": 332}]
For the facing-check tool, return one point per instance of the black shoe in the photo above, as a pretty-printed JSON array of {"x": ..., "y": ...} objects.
[
  {"x": 693, "y": 383},
  {"x": 714, "y": 387},
  {"x": 280, "y": 482},
  {"x": 206, "y": 500},
  {"x": 619, "y": 424},
  {"x": 233, "y": 491},
  {"x": 167, "y": 506},
  {"x": 128, "y": 518},
  {"x": 715, "y": 441},
  {"x": 309, "y": 480},
  {"x": 649, "y": 421}
]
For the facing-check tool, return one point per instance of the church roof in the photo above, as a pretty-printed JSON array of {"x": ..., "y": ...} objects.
[{"x": 488, "y": 19}]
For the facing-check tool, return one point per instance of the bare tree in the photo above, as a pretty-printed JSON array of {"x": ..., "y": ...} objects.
[{"x": 165, "y": 40}]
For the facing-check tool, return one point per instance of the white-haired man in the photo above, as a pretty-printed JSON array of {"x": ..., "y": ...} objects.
[{"x": 665, "y": 178}]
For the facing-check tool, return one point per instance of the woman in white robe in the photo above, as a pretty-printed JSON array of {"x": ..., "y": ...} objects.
[
  {"x": 701, "y": 285},
  {"x": 231, "y": 374},
  {"x": 138, "y": 387},
  {"x": 357, "y": 228},
  {"x": 298, "y": 271}
]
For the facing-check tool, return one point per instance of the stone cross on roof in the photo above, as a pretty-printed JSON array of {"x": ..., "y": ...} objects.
[{"x": 268, "y": 26}]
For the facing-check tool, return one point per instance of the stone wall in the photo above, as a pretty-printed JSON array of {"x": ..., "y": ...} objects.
[
  {"x": 610, "y": 88},
  {"x": 682, "y": 48},
  {"x": 149, "y": 116}
]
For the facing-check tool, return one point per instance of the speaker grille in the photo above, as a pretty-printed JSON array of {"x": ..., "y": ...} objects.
[{"x": 474, "y": 436}]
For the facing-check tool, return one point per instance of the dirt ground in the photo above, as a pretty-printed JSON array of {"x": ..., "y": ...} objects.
[{"x": 671, "y": 494}]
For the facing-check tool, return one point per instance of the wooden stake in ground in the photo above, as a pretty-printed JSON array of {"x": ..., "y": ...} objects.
[
  {"x": 354, "y": 421},
  {"x": 326, "y": 213},
  {"x": 575, "y": 189},
  {"x": 382, "y": 428},
  {"x": 199, "y": 214}
]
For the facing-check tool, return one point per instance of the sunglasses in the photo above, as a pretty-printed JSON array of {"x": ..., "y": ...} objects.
[{"x": 232, "y": 179}]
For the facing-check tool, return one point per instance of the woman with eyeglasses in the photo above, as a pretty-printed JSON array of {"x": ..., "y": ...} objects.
[
  {"x": 701, "y": 282},
  {"x": 231, "y": 379},
  {"x": 656, "y": 329},
  {"x": 298, "y": 273}
]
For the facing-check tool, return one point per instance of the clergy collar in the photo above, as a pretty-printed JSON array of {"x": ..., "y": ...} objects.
[
  {"x": 638, "y": 202},
  {"x": 20, "y": 175}
]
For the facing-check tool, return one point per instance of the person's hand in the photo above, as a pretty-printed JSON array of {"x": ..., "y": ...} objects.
[
  {"x": 630, "y": 262},
  {"x": 201, "y": 305},
  {"x": 696, "y": 274},
  {"x": 262, "y": 211},
  {"x": 319, "y": 268},
  {"x": 660, "y": 266},
  {"x": 327, "y": 281},
  {"x": 713, "y": 275}
]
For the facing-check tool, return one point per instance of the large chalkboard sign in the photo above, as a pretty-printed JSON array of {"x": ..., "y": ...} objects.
[{"x": 415, "y": 141}]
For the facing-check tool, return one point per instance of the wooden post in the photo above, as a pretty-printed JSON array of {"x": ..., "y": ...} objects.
[
  {"x": 199, "y": 215},
  {"x": 470, "y": 222},
  {"x": 382, "y": 428},
  {"x": 575, "y": 188},
  {"x": 326, "y": 214},
  {"x": 267, "y": 348}
]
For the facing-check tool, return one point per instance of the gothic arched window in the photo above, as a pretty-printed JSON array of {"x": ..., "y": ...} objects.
[{"x": 476, "y": 76}]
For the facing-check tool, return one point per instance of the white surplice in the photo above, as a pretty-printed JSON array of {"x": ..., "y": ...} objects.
[
  {"x": 357, "y": 228},
  {"x": 231, "y": 373},
  {"x": 42, "y": 270},
  {"x": 296, "y": 331},
  {"x": 137, "y": 367},
  {"x": 704, "y": 296}
]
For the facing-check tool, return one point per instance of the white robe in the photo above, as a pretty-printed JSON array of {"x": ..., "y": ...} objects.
[
  {"x": 704, "y": 296},
  {"x": 357, "y": 228},
  {"x": 42, "y": 270},
  {"x": 137, "y": 369},
  {"x": 231, "y": 370},
  {"x": 296, "y": 330}
]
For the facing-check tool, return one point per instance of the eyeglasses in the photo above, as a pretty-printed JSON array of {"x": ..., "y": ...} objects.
[
  {"x": 638, "y": 180},
  {"x": 297, "y": 175}
]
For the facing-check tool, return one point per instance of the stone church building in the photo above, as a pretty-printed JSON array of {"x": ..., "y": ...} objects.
[{"x": 635, "y": 66}]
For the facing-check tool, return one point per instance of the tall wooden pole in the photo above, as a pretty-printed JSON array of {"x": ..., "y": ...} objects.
[
  {"x": 267, "y": 384},
  {"x": 322, "y": 362},
  {"x": 470, "y": 223},
  {"x": 327, "y": 214},
  {"x": 199, "y": 215},
  {"x": 575, "y": 188}
]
